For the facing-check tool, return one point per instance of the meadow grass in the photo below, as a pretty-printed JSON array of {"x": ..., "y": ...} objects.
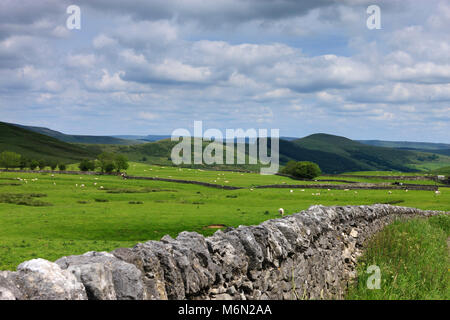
[
  {"x": 413, "y": 257},
  {"x": 92, "y": 217}
]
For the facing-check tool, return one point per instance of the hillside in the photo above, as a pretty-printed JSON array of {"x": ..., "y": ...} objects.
[
  {"x": 342, "y": 154},
  {"x": 78, "y": 138},
  {"x": 333, "y": 154},
  {"x": 406, "y": 144},
  {"x": 147, "y": 138},
  {"x": 38, "y": 146}
]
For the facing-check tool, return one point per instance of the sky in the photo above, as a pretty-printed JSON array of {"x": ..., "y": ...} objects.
[{"x": 303, "y": 67}]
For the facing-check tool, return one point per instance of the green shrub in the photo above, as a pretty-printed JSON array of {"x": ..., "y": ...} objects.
[
  {"x": 9, "y": 159},
  {"x": 34, "y": 164},
  {"x": 121, "y": 162},
  {"x": 53, "y": 165},
  {"x": 42, "y": 164},
  {"x": 302, "y": 169},
  {"x": 87, "y": 165}
]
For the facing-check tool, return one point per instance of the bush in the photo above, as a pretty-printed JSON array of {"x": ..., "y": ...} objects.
[
  {"x": 87, "y": 165},
  {"x": 109, "y": 167},
  {"x": 9, "y": 159},
  {"x": 42, "y": 164},
  {"x": 62, "y": 167},
  {"x": 34, "y": 164},
  {"x": 106, "y": 162},
  {"x": 302, "y": 169},
  {"x": 53, "y": 165},
  {"x": 121, "y": 162}
]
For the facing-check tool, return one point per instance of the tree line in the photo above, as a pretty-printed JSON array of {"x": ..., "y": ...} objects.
[{"x": 105, "y": 162}]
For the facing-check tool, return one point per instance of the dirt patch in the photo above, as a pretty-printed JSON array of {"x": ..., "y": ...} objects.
[{"x": 216, "y": 226}]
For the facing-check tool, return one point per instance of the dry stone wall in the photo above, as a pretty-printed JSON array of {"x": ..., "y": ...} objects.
[{"x": 308, "y": 255}]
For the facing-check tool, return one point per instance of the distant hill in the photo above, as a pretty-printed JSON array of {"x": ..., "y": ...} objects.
[
  {"x": 406, "y": 144},
  {"x": 332, "y": 153},
  {"x": 147, "y": 138},
  {"x": 336, "y": 154},
  {"x": 39, "y": 146},
  {"x": 78, "y": 138},
  {"x": 443, "y": 171}
]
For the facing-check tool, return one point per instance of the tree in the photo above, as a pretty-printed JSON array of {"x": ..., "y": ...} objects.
[
  {"x": 106, "y": 162},
  {"x": 109, "y": 167},
  {"x": 53, "y": 165},
  {"x": 302, "y": 169},
  {"x": 24, "y": 163},
  {"x": 9, "y": 159},
  {"x": 87, "y": 165},
  {"x": 42, "y": 164},
  {"x": 34, "y": 164},
  {"x": 62, "y": 167},
  {"x": 121, "y": 162}
]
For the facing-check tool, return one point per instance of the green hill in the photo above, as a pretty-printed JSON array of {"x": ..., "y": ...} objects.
[
  {"x": 78, "y": 138},
  {"x": 444, "y": 171},
  {"x": 333, "y": 154},
  {"x": 407, "y": 144},
  {"x": 38, "y": 146},
  {"x": 340, "y": 154}
]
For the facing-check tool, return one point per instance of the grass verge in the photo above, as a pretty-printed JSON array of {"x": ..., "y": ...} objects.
[{"x": 413, "y": 257}]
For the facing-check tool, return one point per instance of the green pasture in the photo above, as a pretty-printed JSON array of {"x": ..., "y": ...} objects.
[{"x": 48, "y": 216}]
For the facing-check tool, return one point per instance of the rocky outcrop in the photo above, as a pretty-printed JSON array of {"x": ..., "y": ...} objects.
[{"x": 308, "y": 255}]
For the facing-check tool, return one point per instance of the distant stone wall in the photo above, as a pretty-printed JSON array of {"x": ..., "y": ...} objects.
[
  {"x": 413, "y": 178},
  {"x": 308, "y": 255}
]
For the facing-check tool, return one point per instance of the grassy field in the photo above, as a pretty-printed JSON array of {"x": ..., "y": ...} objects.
[
  {"x": 53, "y": 215},
  {"x": 413, "y": 259}
]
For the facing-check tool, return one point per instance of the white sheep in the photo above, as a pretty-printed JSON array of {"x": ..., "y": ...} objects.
[
  {"x": 281, "y": 211},
  {"x": 437, "y": 192}
]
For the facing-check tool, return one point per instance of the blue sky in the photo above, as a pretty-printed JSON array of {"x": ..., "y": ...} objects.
[{"x": 149, "y": 67}]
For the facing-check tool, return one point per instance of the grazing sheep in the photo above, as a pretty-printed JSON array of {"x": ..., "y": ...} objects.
[
  {"x": 437, "y": 192},
  {"x": 281, "y": 211},
  {"x": 291, "y": 191},
  {"x": 389, "y": 192}
]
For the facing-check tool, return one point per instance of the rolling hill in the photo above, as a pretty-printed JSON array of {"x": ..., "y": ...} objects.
[
  {"x": 333, "y": 154},
  {"x": 407, "y": 145},
  {"x": 353, "y": 154},
  {"x": 78, "y": 138},
  {"x": 38, "y": 146}
]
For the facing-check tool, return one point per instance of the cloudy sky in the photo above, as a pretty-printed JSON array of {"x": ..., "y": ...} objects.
[{"x": 149, "y": 67}]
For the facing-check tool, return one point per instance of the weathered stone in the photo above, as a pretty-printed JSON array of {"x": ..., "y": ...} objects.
[
  {"x": 105, "y": 276},
  {"x": 8, "y": 289},
  {"x": 39, "y": 279}
]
